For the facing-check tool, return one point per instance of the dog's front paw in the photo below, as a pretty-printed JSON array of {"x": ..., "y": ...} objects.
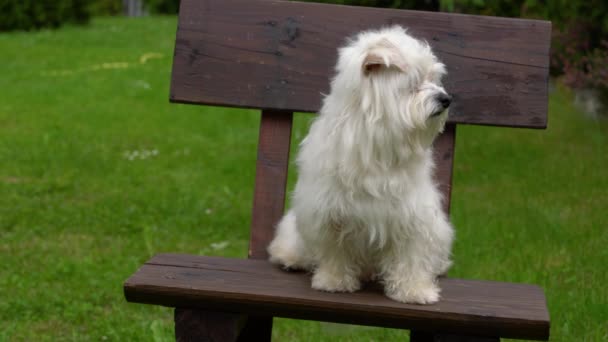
[
  {"x": 416, "y": 294},
  {"x": 326, "y": 281}
]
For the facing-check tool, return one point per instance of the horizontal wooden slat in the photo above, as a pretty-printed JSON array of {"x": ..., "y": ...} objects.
[
  {"x": 280, "y": 55},
  {"x": 255, "y": 286}
]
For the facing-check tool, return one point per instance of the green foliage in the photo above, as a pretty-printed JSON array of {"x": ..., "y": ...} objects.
[
  {"x": 106, "y": 7},
  {"x": 162, "y": 6},
  {"x": 36, "y": 14}
]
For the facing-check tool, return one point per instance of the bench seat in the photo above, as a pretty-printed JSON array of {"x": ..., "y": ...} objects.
[{"x": 252, "y": 286}]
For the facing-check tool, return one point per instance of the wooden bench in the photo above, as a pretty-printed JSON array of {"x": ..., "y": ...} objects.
[{"x": 278, "y": 56}]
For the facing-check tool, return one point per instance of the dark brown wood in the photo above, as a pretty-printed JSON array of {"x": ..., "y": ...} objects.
[
  {"x": 421, "y": 336},
  {"x": 268, "y": 199},
  {"x": 204, "y": 326},
  {"x": 444, "y": 160},
  {"x": 467, "y": 307},
  {"x": 270, "y": 179},
  {"x": 280, "y": 55},
  {"x": 258, "y": 328}
]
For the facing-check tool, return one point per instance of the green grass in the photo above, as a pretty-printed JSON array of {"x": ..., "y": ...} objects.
[{"x": 80, "y": 211}]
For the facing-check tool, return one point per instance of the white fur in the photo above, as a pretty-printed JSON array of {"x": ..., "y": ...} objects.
[{"x": 365, "y": 204}]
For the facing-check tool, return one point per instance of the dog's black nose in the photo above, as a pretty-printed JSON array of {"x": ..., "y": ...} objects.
[{"x": 445, "y": 100}]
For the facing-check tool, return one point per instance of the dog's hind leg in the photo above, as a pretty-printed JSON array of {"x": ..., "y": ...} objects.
[{"x": 287, "y": 248}]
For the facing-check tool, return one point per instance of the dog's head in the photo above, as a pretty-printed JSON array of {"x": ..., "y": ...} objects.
[{"x": 389, "y": 76}]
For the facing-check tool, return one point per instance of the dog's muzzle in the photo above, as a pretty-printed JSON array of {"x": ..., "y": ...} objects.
[{"x": 444, "y": 101}]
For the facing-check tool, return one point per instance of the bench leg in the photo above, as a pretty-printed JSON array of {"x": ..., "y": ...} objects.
[
  {"x": 207, "y": 326},
  {"x": 258, "y": 328},
  {"x": 422, "y": 336}
]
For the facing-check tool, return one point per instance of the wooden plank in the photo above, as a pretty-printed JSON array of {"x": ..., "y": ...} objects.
[
  {"x": 270, "y": 179},
  {"x": 467, "y": 307},
  {"x": 444, "y": 147},
  {"x": 280, "y": 55}
]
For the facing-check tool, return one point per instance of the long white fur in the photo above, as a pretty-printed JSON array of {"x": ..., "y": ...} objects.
[{"x": 365, "y": 204}]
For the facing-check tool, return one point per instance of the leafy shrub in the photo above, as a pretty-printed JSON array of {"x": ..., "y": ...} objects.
[
  {"x": 582, "y": 62},
  {"x": 106, "y": 7},
  {"x": 36, "y": 14},
  {"x": 162, "y": 6}
]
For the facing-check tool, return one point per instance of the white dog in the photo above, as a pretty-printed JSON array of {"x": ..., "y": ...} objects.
[{"x": 365, "y": 204}]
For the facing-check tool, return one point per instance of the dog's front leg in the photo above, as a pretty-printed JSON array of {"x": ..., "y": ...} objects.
[
  {"x": 407, "y": 280},
  {"x": 410, "y": 269},
  {"x": 336, "y": 271}
]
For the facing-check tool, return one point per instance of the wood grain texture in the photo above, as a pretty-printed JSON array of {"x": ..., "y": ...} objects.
[
  {"x": 270, "y": 179},
  {"x": 467, "y": 307},
  {"x": 280, "y": 55},
  {"x": 443, "y": 149}
]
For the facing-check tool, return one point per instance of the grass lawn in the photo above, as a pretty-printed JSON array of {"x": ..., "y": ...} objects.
[{"x": 98, "y": 172}]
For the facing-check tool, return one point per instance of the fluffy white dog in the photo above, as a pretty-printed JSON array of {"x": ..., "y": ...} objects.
[{"x": 365, "y": 205}]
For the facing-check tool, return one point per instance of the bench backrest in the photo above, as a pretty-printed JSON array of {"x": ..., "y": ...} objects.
[{"x": 278, "y": 56}]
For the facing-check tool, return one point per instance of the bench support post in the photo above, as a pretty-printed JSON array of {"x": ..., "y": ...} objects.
[
  {"x": 268, "y": 199},
  {"x": 268, "y": 205},
  {"x": 207, "y": 326},
  {"x": 422, "y": 336}
]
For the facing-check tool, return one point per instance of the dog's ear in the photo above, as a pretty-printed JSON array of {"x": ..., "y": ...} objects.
[{"x": 383, "y": 55}]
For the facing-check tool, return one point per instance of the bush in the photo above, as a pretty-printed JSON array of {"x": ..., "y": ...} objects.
[
  {"x": 162, "y": 6},
  {"x": 36, "y": 14},
  {"x": 106, "y": 7},
  {"x": 581, "y": 61}
]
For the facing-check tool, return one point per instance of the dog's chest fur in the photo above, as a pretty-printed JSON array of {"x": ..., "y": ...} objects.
[{"x": 382, "y": 205}]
